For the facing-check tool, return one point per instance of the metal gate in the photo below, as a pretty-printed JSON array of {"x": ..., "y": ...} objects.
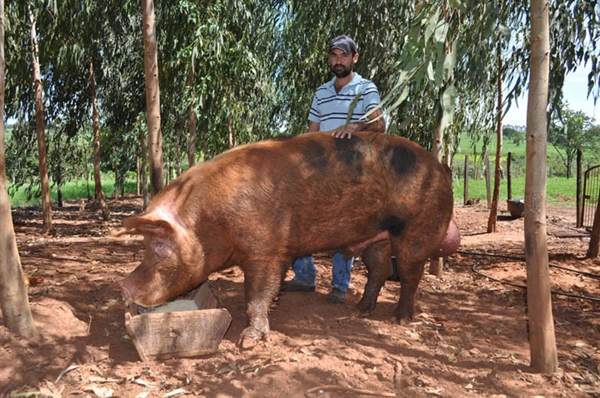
[{"x": 591, "y": 192}]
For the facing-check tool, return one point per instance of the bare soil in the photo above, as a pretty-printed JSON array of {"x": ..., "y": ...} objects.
[{"x": 468, "y": 339}]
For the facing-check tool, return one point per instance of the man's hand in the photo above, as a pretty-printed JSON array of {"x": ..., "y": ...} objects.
[
  {"x": 351, "y": 128},
  {"x": 346, "y": 130}
]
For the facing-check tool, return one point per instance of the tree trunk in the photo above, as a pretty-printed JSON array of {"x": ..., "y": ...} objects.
[
  {"x": 178, "y": 156},
  {"x": 14, "y": 301},
  {"x": 436, "y": 264},
  {"x": 230, "y": 133},
  {"x": 138, "y": 174},
  {"x": 539, "y": 303},
  {"x": 116, "y": 186},
  {"x": 192, "y": 120},
  {"x": 486, "y": 160},
  {"x": 39, "y": 118},
  {"x": 152, "y": 97},
  {"x": 144, "y": 169},
  {"x": 96, "y": 128},
  {"x": 498, "y": 164},
  {"x": 578, "y": 194},
  {"x": 466, "y": 180},
  {"x": 58, "y": 180}
]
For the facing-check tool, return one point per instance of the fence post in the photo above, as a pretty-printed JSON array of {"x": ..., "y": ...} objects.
[
  {"x": 579, "y": 197},
  {"x": 487, "y": 180},
  {"x": 466, "y": 182},
  {"x": 508, "y": 176}
]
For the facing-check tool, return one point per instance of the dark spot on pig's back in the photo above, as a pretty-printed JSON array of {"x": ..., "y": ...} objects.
[
  {"x": 283, "y": 137},
  {"x": 402, "y": 159},
  {"x": 348, "y": 152},
  {"x": 393, "y": 224},
  {"x": 315, "y": 155}
]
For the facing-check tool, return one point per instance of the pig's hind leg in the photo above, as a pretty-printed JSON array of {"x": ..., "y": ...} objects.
[
  {"x": 262, "y": 281},
  {"x": 377, "y": 259},
  {"x": 410, "y": 267}
]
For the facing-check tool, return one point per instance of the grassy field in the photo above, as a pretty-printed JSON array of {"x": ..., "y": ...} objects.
[
  {"x": 559, "y": 190},
  {"x": 70, "y": 190}
]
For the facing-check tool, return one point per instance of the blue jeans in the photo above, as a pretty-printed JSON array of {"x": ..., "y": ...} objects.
[{"x": 306, "y": 273}]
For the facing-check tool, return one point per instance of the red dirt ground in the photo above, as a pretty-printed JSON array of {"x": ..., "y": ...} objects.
[{"x": 469, "y": 338}]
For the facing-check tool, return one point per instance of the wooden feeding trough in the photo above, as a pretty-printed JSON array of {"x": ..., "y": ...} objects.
[{"x": 184, "y": 327}]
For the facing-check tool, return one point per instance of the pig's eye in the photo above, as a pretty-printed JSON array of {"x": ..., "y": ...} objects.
[{"x": 161, "y": 249}]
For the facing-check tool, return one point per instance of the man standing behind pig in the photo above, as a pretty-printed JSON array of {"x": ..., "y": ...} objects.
[{"x": 329, "y": 111}]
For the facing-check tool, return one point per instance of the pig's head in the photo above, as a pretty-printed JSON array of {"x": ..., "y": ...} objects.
[{"x": 172, "y": 262}]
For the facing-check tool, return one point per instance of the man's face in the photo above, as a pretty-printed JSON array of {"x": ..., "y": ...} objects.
[{"x": 341, "y": 63}]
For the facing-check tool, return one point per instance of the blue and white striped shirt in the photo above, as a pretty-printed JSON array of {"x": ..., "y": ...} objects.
[{"x": 330, "y": 109}]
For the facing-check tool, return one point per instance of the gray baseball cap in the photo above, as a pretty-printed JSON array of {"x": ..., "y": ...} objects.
[{"x": 344, "y": 43}]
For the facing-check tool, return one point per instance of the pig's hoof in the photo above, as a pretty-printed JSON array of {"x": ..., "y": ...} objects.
[
  {"x": 404, "y": 316},
  {"x": 363, "y": 310},
  {"x": 249, "y": 338}
]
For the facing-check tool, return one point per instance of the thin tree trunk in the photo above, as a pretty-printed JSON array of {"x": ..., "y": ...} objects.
[
  {"x": 152, "y": 97},
  {"x": 144, "y": 170},
  {"x": 192, "y": 120},
  {"x": 138, "y": 174},
  {"x": 96, "y": 128},
  {"x": 178, "y": 156},
  {"x": 58, "y": 178},
  {"x": 578, "y": 194},
  {"x": 230, "y": 133},
  {"x": 486, "y": 160},
  {"x": 14, "y": 301},
  {"x": 539, "y": 302},
  {"x": 466, "y": 180},
  {"x": 168, "y": 173},
  {"x": 116, "y": 172},
  {"x": 39, "y": 118},
  {"x": 498, "y": 164},
  {"x": 436, "y": 264}
]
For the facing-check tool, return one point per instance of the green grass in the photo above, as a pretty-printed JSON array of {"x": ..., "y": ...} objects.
[
  {"x": 70, "y": 190},
  {"x": 559, "y": 190},
  {"x": 507, "y": 146}
]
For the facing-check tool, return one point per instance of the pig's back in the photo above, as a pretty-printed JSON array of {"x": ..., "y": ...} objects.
[{"x": 319, "y": 192}]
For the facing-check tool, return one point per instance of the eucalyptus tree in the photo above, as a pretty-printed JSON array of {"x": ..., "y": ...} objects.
[
  {"x": 212, "y": 75},
  {"x": 40, "y": 122},
  {"x": 570, "y": 131},
  {"x": 14, "y": 301},
  {"x": 121, "y": 90},
  {"x": 153, "y": 118},
  {"x": 77, "y": 28},
  {"x": 544, "y": 357},
  {"x": 234, "y": 55},
  {"x": 63, "y": 53}
]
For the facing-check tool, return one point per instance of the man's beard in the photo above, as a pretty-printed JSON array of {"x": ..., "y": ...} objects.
[{"x": 341, "y": 73}]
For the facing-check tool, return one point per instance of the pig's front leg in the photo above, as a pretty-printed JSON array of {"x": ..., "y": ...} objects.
[{"x": 262, "y": 284}]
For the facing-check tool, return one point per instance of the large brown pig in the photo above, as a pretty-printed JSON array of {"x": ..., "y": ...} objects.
[{"x": 262, "y": 205}]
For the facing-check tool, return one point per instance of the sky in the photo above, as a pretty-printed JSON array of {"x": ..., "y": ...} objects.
[{"x": 575, "y": 93}]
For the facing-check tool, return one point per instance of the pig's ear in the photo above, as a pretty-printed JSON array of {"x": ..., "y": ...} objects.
[{"x": 139, "y": 225}]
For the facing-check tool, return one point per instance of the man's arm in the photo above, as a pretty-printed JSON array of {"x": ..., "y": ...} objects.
[
  {"x": 313, "y": 127},
  {"x": 351, "y": 128}
]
